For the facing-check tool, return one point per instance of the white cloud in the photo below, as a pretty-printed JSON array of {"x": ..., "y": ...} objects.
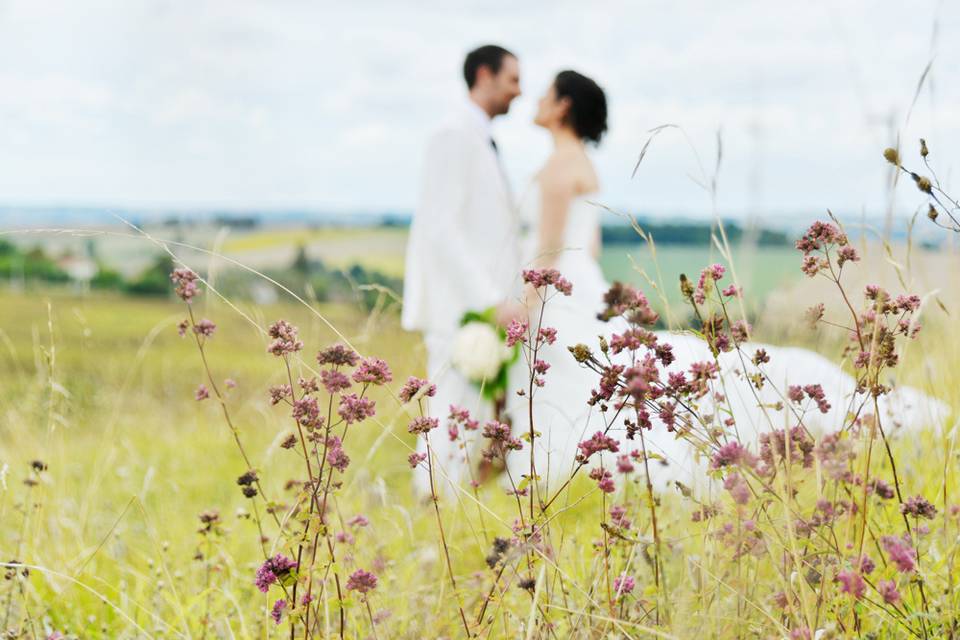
[{"x": 250, "y": 104}]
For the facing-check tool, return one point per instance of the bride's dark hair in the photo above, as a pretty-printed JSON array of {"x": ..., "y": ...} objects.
[{"x": 588, "y": 104}]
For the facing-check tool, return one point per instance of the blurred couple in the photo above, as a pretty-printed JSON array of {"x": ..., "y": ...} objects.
[{"x": 471, "y": 237}]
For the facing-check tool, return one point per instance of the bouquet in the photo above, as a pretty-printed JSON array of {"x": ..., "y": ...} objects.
[{"x": 480, "y": 353}]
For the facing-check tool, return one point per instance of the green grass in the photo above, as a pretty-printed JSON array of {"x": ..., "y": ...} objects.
[{"x": 100, "y": 389}]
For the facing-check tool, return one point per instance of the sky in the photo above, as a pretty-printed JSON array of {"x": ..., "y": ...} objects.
[{"x": 287, "y": 104}]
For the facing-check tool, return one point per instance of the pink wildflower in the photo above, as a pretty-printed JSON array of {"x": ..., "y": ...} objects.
[
  {"x": 356, "y": 409},
  {"x": 623, "y": 584},
  {"x": 918, "y": 507},
  {"x": 338, "y": 355},
  {"x": 285, "y": 340},
  {"x": 372, "y": 371},
  {"x": 205, "y": 328},
  {"x": 851, "y": 582},
  {"x": 541, "y": 278},
  {"x": 185, "y": 279},
  {"x": 306, "y": 411},
  {"x": 201, "y": 393},
  {"x": 618, "y": 516},
  {"x": 279, "y": 393},
  {"x": 900, "y": 553},
  {"x": 362, "y": 581},
  {"x": 334, "y": 381},
  {"x": 732, "y": 453},
  {"x": 414, "y": 459},
  {"x": 547, "y": 335},
  {"x": 417, "y": 387},
  {"x": 888, "y": 590},
  {"x": 738, "y": 488},
  {"x": 358, "y": 520},
  {"x": 847, "y": 254},
  {"x": 277, "y": 612},
  {"x": 423, "y": 424},
  {"x": 516, "y": 332},
  {"x": 336, "y": 456},
  {"x": 596, "y": 443},
  {"x": 273, "y": 569},
  {"x": 604, "y": 479}
]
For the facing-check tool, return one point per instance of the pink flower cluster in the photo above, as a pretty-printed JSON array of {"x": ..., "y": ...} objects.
[
  {"x": 604, "y": 479},
  {"x": 354, "y": 408},
  {"x": 336, "y": 456},
  {"x": 272, "y": 570},
  {"x": 624, "y": 300},
  {"x": 541, "y": 278},
  {"x": 516, "y": 332},
  {"x": 623, "y": 584},
  {"x": 423, "y": 425},
  {"x": 372, "y": 371},
  {"x": 417, "y": 388},
  {"x": 186, "y": 283},
  {"x": 814, "y": 392},
  {"x": 459, "y": 417},
  {"x": 361, "y": 581},
  {"x": 338, "y": 355},
  {"x": 595, "y": 444},
  {"x": 900, "y": 552},
  {"x": 852, "y": 583},
  {"x": 731, "y": 454},
  {"x": 708, "y": 276},
  {"x": 285, "y": 340}
]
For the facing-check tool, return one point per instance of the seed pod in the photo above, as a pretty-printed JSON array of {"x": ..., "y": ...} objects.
[
  {"x": 923, "y": 148},
  {"x": 932, "y": 213},
  {"x": 923, "y": 183},
  {"x": 892, "y": 156}
]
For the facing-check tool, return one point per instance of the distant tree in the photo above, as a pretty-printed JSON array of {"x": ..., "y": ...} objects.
[
  {"x": 155, "y": 280},
  {"x": 301, "y": 262},
  {"x": 107, "y": 278}
]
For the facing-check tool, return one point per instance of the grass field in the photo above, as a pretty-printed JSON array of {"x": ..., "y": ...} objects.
[{"x": 100, "y": 389}]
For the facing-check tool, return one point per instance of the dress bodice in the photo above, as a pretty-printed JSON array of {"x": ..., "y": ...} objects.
[{"x": 579, "y": 234}]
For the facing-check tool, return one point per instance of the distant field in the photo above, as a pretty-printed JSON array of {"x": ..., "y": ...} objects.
[
  {"x": 760, "y": 270},
  {"x": 377, "y": 248}
]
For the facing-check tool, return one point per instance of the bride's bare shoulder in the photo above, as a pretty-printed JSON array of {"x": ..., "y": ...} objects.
[
  {"x": 568, "y": 171},
  {"x": 555, "y": 175}
]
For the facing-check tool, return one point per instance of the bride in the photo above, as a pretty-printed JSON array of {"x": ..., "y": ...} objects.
[{"x": 560, "y": 207}]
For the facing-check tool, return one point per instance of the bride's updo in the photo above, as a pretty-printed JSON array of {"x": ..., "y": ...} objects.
[{"x": 588, "y": 104}]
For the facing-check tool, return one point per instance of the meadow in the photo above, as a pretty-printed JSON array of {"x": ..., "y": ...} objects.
[{"x": 121, "y": 515}]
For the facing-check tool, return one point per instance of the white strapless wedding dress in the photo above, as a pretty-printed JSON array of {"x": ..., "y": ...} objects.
[{"x": 563, "y": 417}]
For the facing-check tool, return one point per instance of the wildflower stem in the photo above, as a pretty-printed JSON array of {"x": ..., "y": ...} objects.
[{"x": 443, "y": 537}]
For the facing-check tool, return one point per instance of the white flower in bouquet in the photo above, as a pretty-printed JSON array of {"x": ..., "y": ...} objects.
[{"x": 479, "y": 352}]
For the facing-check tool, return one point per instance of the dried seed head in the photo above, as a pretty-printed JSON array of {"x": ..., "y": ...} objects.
[
  {"x": 923, "y": 148},
  {"x": 923, "y": 183},
  {"x": 891, "y": 156},
  {"x": 581, "y": 352},
  {"x": 932, "y": 212}
]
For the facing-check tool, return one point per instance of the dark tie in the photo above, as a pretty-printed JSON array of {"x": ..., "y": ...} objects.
[{"x": 493, "y": 143}]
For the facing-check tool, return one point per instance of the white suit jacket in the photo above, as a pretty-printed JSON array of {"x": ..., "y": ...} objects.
[{"x": 463, "y": 250}]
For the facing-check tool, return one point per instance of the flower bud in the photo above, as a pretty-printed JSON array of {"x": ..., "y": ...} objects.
[
  {"x": 892, "y": 156},
  {"x": 581, "y": 352},
  {"x": 923, "y": 183}
]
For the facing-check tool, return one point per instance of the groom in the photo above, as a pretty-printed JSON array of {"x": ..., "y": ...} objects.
[{"x": 463, "y": 251}]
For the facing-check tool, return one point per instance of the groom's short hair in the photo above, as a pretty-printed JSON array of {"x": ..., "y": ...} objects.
[{"x": 489, "y": 55}]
